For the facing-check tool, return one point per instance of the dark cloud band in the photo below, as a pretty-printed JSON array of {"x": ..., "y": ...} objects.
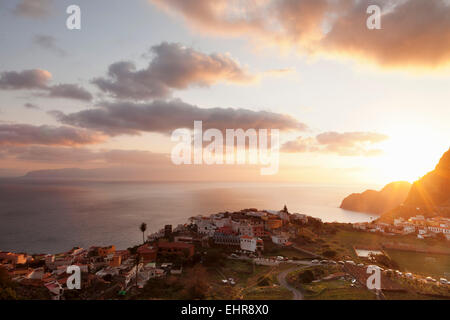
[
  {"x": 37, "y": 79},
  {"x": 26, "y": 134},
  {"x": 166, "y": 116}
]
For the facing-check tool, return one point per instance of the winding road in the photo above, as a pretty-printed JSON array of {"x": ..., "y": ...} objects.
[{"x": 297, "y": 294}]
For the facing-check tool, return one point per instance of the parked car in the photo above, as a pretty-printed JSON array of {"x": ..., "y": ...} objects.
[{"x": 315, "y": 261}]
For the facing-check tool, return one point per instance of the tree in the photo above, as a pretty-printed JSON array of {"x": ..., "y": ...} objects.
[
  {"x": 213, "y": 258},
  {"x": 196, "y": 286},
  {"x": 7, "y": 291},
  {"x": 143, "y": 228},
  {"x": 329, "y": 253},
  {"x": 285, "y": 209},
  {"x": 306, "y": 276}
]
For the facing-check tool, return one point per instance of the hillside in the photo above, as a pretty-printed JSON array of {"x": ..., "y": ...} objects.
[
  {"x": 378, "y": 202},
  {"x": 432, "y": 190},
  {"x": 430, "y": 195}
]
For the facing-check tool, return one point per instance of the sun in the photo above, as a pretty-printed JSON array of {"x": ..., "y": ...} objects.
[{"x": 407, "y": 156}]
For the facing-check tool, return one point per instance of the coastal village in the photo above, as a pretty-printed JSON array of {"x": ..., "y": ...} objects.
[
  {"x": 419, "y": 225},
  {"x": 268, "y": 241}
]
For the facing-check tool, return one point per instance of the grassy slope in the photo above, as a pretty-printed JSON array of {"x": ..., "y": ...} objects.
[{"x": 436, "y": 265}]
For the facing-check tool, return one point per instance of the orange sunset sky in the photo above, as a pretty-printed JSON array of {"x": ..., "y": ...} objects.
[{"x": 353, "y": 105}]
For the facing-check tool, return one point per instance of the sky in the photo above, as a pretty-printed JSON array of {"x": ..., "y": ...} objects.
[{"x": 353, "y": 105}]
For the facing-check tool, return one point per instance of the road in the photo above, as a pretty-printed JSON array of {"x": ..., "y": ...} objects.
[{"x": 297, "y": 294}]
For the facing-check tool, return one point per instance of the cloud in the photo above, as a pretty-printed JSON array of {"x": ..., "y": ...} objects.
[
  {"x": 33, "y": 8},
  {"x": 70, "y": 91},
  {"x": 415, "y": 33},
  {"x": 48, "y": 43},
  {"x": 27, "y": 79},
  {"x": 220, "y": 16},
  {"x": 61, "y": 154},
  {"x": 280, "y": 72},
  {"x": 37, "y": 79},
  {"x": 173, "y": 67},
  {"x": 300, "y": 145},
  {"x": 26, "y": 134},
  {"x": 344, "y": 144},
  {"x": 31, "y": 106},
  {"x": 166, "y": 116}
]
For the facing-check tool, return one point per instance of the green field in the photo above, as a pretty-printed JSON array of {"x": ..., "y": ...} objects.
[
  {"x": 336, "y": 290},
  {"x": 246, "y": 276},
  {"x": 437, "y": 265},
  {"x": 344, "y": 241},
  {"x": 268, "y": 293},
  {"x": 289, "y": 253},
  {"x": 408, "y": 296}
]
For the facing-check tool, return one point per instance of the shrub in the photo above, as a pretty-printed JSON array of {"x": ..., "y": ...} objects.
[
  {"x": 329, "y": 253},
  {"x": 306, "y": 276}
]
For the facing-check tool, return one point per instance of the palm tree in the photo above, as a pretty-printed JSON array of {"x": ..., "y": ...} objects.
[{"x": 143, "y": 228}]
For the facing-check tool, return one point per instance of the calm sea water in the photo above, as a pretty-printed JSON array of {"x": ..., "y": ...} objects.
[{"x": 53, "y": 216}]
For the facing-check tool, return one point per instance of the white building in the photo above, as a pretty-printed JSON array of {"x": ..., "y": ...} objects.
[
  {"x": 407, "y": 229},
  {"x": 422, "y": 231},
  {"x": 280, "y": 240},
  {"x": 221, "y": 222},
  {"x": 248, "y": 243},
  {"x": 439, "y": 229},
  {"x": 360, "y": 226},
  {"x": 205, "y": 225},
  {"x": 242, "y": 227},
  {"x": 36, "y": 274}
]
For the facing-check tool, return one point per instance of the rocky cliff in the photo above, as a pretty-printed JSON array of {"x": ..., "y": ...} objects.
[
  {"x": 371, "y": 201},
  {"x": 433, "y": 189},
  {"x": 429, "y": 196}
]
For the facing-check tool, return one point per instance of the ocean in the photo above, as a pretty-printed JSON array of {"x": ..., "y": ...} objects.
[{"x": 45, "y": 216}]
